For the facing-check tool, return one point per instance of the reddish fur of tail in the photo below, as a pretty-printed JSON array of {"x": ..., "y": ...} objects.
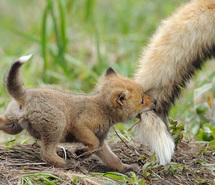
[
  {"x": 179, "y": 47},
  {"x": 13, "y": 81}
]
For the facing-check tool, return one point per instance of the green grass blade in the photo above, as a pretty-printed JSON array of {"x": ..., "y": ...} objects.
[
  {"x": 43, "y": 36},
  {"x": 82, "y": 66},
  {"x": 99, "y": 58},
  {"x": 22, "y": 34},
  {"x": 89, "y": 9},
  {"x": 60, "y": 41},
  {"x": 43, "y": 176},
  {"x": 62, "y": 24},
  {"x": 55, "y": 28},
  {"x": 74, "y": 180},
  {"x": 115, "y": 176}
]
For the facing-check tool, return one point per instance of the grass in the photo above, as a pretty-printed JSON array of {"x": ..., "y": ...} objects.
[
  {"x": 40, "y": 178},
  {"x": 96, "y": 37},
  {"x": 73, "y": 42}
]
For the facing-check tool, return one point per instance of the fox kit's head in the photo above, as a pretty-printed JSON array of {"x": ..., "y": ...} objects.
[{"x": 125, "y": 96}]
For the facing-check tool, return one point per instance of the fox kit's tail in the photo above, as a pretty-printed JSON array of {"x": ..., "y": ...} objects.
[
  {"x": 174, "y": 53},
  {"x": 13, "y": 81}
]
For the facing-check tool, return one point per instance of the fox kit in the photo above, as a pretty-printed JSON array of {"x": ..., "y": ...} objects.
[
  {"x": 179, "y": 47},
  {"x": 53, "y": 116}
]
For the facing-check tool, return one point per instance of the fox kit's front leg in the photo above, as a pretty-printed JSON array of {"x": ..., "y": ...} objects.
[
  {"x": 101, "y": 149},
  {"x": 86, "y": 136},
  {"x": 112, "y": 161}
]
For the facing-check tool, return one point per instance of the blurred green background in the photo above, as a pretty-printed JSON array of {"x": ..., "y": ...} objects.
[{"x": 74, "y": 41}]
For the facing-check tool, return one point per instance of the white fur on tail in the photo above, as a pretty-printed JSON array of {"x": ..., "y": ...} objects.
[
  {"x": 174, "y": 53},
  {"x": 24, "y": 59},
  {"x": 152, "y": 131}
]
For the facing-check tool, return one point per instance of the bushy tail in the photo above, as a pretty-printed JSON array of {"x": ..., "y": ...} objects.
[
  {"x": 179, "y": 47},
  {"x": 13, "y": 81}
]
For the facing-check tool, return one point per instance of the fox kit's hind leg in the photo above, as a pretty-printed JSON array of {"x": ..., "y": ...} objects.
[
  {"x": 51, "y": 133},
  {"x": 48, "y": 151},
  {"x": 9, "y": 126},
  {"x": 112, "y": 161}
]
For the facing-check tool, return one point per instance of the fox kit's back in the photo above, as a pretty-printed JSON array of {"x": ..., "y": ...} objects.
[{"x": 53, "y": 116}]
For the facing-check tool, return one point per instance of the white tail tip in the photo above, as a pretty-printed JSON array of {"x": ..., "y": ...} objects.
[
  {"x": 24, "y": 59},
  {"x": 152, "y": 131}
]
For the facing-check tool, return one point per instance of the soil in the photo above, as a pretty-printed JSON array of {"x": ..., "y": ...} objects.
[{"x": 192, "y": 163}]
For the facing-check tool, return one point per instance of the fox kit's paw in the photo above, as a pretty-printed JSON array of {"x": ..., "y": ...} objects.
[
  {"x": 56, "y": 164},
  {"x": 131, "y": 167}
]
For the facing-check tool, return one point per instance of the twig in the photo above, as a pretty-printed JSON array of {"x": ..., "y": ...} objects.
[
  {"x": 165, "y": 180},
  {"x": 177, "y": 177},
  {"x": 25, "y": 151},
  {"x": 133, "y": 150},
  {"x": 23, "y": 164},
  {"x": 176, "y": 183},
  {"x": 161, "y": 178},
  {"x": 65, "y": 156},
  {"x": 134, "y": 125},
  {"x": 189, "y": 178}
]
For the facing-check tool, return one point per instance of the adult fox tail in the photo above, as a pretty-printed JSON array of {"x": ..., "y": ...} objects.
[
  {"x": 13, "y": 81},
  {"x": 179, "y": 47}
]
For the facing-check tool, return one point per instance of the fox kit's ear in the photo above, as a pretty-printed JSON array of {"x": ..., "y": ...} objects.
[
  {"x": 119, "y": 97},
  {"x": 110, "y": 71}
]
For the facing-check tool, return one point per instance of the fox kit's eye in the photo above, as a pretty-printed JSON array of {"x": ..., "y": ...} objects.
[{"x": 142, "y": 101}]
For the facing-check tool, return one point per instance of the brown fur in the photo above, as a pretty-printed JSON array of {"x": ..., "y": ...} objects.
[
  {"x": 53, "y": 116},
  {"x": 175, "y": 52}
]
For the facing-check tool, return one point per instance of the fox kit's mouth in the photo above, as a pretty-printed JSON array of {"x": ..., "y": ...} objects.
[
  {"x": 138, "y": 116},
  {"x": 147, "y": 109},
  {"x": 152, "y": 107}
]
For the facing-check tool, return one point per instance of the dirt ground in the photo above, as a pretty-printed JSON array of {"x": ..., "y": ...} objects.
[{"x": 192, "y": 163}]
